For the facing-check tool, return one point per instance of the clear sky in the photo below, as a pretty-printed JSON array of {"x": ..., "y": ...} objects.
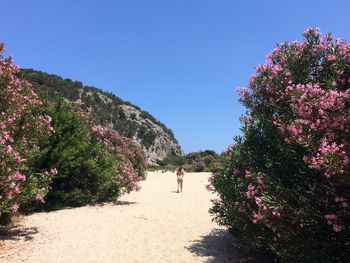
[{"x": 180, "y": 60}]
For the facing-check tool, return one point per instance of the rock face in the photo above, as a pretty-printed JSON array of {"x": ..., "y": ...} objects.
[
  {"x": 129, "y": 120},
  {"x": 163, "y": 144}
]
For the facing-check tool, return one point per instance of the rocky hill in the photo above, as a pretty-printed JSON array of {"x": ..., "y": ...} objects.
[{"x": 109, "y": 110}]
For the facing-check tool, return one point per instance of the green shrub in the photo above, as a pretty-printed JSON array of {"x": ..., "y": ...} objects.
[
  {"x": 203, "y": 161},
  {"x": 86, "y": 172}
]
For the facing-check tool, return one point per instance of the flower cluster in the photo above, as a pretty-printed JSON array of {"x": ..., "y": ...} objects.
[{"x": 322, "y": 111}]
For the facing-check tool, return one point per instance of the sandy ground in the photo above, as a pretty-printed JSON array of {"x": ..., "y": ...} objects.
[{"x": 154, "y": 225}]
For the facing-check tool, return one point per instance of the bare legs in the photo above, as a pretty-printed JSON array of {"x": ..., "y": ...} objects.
[{"x": 179, "y": 185}]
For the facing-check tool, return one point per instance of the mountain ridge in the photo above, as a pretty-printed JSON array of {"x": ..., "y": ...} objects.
[{"x": 109, "y": 110}]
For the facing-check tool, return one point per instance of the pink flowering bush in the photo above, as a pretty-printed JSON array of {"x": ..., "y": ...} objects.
[
  {"x": 95, "y": 164},
  {"x": 131, "y": 158},
  {"x": 285, "y": 185},
  {"x": 22, "y": 123}
]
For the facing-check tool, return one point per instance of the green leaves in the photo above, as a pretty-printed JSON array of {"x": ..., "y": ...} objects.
[{"x": 86, "y": 172}]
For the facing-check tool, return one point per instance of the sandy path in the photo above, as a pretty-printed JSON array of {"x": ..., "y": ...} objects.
[{"x": 155, "y": 224}]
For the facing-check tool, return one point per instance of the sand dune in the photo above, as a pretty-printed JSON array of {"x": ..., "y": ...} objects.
[{"x": 154, "y": 225}]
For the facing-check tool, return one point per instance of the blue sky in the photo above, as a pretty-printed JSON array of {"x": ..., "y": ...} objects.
[{"x": 180, "y": 60}]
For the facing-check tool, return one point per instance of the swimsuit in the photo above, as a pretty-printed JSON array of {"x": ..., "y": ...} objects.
[{"x": 180, "y": 176}]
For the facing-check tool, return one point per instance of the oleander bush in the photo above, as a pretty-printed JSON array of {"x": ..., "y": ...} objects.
[
  {"x": 95, "y": 164},
  {"x": 131, "y": 158},
  {"x": 284, "y": 186},
  {"x": 22, "y": 123}
]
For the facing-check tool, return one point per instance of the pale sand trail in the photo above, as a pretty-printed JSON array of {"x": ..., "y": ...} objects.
[{"x": 153, "y": 225}]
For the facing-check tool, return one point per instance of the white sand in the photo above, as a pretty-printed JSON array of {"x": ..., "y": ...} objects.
[{"x": 154, "y": 225}]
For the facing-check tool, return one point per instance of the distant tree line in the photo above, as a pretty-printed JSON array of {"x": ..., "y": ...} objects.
[{"x": 202, "y": 161}]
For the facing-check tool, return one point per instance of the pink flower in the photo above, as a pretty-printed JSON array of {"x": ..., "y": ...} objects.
[
  {"x": 8, "y": 149},
  {"x": 53, "y": 171},
  {"x": 258, "y": 201},
  {"x": 215, "y": 201},
  {"x": 331, "y": 217},
  {"x": 277, "y": 68},
  {"x": 47, "y": 119},
  {"x": 14, "y": 207},
  {"x": 312, "y": 31},
  {"x": 251, "y": 191},
  {"x": 209, "y": 188},
  {"x": 331, "y": 57},
  {"x": 337, "y": 228},
  {"x": 19, "y": 176},
  {"x": 276, "y": 213},
  {"x": 39, "y": 198},
  {"x": 17, "y": 189},
  {"x": 9, "y": 195}
]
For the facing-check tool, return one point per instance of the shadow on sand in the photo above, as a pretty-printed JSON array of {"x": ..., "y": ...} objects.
[
  {"x": 116, "y": 203},
  {"x": 218, "y": 244},
  {"x": 124, "y": 203},
  {"x": 17, "y": 232}
]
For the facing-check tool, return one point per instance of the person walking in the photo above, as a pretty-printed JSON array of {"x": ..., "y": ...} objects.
[{"x": 180, "y": 173}]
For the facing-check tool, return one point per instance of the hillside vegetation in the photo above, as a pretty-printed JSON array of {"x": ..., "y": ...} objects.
[
  {"x": 202, "y": 161},
  {"x": 129, "y": 120}
]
